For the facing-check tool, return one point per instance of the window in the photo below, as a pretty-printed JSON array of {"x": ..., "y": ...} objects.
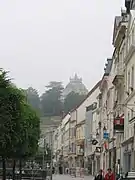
[
  {"x": 128, "y": 116},
  {"x": 129, "y": 40},
  {"x": 124, "y": 50},
  {"x": 128, "y": 80},
  {"x": 132, "y": 113},
  {"x": 132, "y": 77},
  {"x": 133, "y": 35}
]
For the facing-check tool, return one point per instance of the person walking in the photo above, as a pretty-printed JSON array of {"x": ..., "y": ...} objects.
[
  {"x": 109, "y": 175},
  {"x": 99, "y": 176}
]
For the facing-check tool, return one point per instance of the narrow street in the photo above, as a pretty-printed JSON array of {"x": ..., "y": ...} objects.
[{"x": 66, "y": 177}]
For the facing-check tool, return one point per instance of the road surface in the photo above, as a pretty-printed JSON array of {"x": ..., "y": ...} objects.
[{"x": 67, "y": 177}]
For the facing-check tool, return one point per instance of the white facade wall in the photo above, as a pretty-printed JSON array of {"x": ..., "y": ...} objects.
[
  {"x": 81, "y": 110},
  {"x": 59, "y": 138},
  {"x": 130, "y": 79},
  {"x": 65, "y": 133},
  {"x": 73, "y": 115},
  {"x": 92, "y": 120},
  {"x": 55, "y": 141}
]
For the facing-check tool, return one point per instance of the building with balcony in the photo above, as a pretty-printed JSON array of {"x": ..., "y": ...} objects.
[
  {"x": 118, "y": 81},
  {"x": 72, "y": 139},
  {"x": 58, "y": 148},
  {"x": 92, "y": 163},
  {"x": 80, "y": 126},
  {"x": 106, "y": 117},
  {"x": 65, "y": 140},
  {"x": 129, "y": 94},
  {"x": 80, "y": 144}
]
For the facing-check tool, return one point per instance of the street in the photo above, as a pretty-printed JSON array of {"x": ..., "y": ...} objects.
[{"x": 67, "y": 177}]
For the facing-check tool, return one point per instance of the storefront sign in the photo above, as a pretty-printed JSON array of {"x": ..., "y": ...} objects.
[{"x": 106, "y": 135}]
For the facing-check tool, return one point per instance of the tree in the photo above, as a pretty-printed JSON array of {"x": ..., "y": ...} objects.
[
  {"x": 72, "y": 100},
  {"x": 19, "y": 124},
  {"x": 51, "y": 100},
  {"x": 29, "y": 134},
  {"x": 33, "y": 98},
  {"x": 10, "y": 100}
]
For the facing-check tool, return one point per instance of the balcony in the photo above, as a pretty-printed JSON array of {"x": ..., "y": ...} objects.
[
  {"x": 118, "y": 79},
  {"x": 119, "y": 124},
  {"x": 121, "y": 29},
  {"x": 80, "y": 142},
  {"x": 119, "y": 72},
  {"x": 72, "y": 152},
  {"x": 72, "y": 149},
  {"x": 80, "y": 152}
]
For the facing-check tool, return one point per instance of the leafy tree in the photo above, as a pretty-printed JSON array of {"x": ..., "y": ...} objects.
[
  {"x": 51, "y": 100},
  {"x": 19, "y": 124},
  {"x": 10, "y": 100},
  {"x": 33, "y": 98},
  {"x": 28, "y": 134},
  {"x": 72, "y": 100}
]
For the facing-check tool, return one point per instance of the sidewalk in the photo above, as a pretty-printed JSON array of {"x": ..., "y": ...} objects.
[{"x": 68, "y": 177}]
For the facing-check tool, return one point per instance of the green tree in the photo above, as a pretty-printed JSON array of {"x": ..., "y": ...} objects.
[
  {"x": 28, "y": 134},
  {"x": 72, "y": 100},
  {"x": 51, "y": 100},
  {"x": 19, "y": 124},
  {"x": 33, "y": 98},
  {"x": 10, "y": 100}
]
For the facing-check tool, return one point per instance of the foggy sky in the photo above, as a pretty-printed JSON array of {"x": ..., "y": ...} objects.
[{"x": 44, "y": 40}]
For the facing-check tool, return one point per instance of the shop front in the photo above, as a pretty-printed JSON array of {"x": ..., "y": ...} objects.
[{"x": 128, "y": 155}]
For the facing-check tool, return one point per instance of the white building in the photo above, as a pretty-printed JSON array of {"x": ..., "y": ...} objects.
[
  {"x": 129, "y": 100},
  {"x": 106, "y": 117},
  {"x": 72, "y": 139},
  {"x": 92, "y": 159}
]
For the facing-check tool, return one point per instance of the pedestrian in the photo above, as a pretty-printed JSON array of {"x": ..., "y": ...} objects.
[
  {"x": 99, "y": 176},
  {"x": 53, "y": 170},
  {"x": 109, "y": 175},
  {"x": 67, "y": 170}
]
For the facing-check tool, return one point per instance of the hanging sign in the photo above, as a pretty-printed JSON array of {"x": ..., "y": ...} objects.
[{"x": 106, "y": 135}]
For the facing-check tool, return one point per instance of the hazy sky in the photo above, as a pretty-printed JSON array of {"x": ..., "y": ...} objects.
[{"x": 44, "y": 40}]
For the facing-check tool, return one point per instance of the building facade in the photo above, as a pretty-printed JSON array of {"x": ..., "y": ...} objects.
[
  {"x": 91, "y": 131},
  {"x": 72, "y": 139},
  {"x": 100, "y": 132},
  {"x": 129, "y": 100}
]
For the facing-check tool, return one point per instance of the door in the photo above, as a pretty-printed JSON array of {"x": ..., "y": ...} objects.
[{"x": 129, "y": 162}]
